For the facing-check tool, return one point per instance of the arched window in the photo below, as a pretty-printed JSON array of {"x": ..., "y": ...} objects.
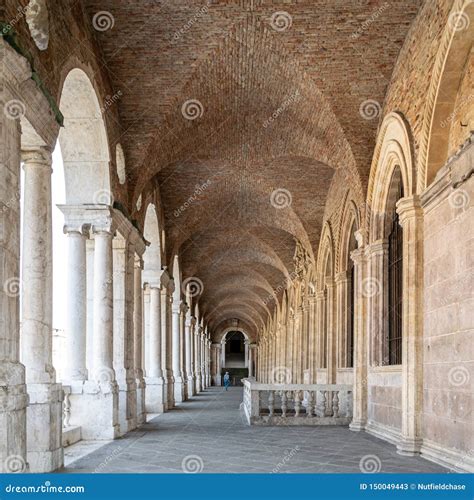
[
  {"x": 395, "y": 276},
  {"x": 350, "y": 301}
]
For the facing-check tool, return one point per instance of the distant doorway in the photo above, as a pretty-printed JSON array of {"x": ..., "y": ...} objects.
[{"x": 235, "y": 350}]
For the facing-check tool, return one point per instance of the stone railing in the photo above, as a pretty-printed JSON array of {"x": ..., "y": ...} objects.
[
  {"x": 71, "y": 433},
  {"x": 297, "y": 404}
]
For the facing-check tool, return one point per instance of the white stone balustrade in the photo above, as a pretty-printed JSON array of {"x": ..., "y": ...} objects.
[{"x": 282, "y": 404}]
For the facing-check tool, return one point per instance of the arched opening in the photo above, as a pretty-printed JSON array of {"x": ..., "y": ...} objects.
[
  {"x": 235, "y": 350},
  {"x": 451, "y": 121},
  {"x": 349, "y": 348},
  {"x": 393, "y": 340}
]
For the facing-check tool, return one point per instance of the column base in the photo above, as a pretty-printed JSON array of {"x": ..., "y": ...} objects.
[
  {"x": 155, "y": 395},
  {"x": 191, "y": 386},
  {"x": 95, "y": 408},
  {"x": 13, "y": 456},
  {"x": 357, "y": 425},
  {"x": 409, "y": 446},
  {"x": 198, "y": 387},
  {"x": 169, "y": 382},
  {"x": 44, "y": 427},
  {"x": 127, "y": 405},
  {"x": 179, "y": 388},
  {"x": 141, "y": 411}
]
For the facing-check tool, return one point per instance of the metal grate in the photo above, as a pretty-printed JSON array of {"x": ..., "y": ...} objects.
[{"x": 395, "y": 292}]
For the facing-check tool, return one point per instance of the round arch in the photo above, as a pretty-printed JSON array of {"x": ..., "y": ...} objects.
[
  {"x": 393, "y": 152},
  {"x": 83, "y": 141},
  {"x": 454, "y": 55}
]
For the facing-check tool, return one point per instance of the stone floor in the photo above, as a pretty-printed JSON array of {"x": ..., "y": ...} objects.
[{"x": 208, "y": 434}]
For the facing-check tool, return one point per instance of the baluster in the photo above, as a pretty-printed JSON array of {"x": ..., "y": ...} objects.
[
  {"x": 335, "y": 404},
  {"x": 271, "y": 400},
  {"x": 284, "y": 405},
  {"x": 66, "y": 409},
  {"x": 310, "y": 405},
  {"x": 297, "y": 403},
  {"x": 321, "y": 406}
]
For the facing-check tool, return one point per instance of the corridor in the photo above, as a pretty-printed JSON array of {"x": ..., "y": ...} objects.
[{"x": 208, "y": 434}]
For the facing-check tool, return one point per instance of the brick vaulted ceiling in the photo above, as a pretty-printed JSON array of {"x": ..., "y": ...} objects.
[{"x": 279, "y": 88}]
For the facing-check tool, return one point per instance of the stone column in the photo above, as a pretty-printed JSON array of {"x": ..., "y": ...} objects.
[
  {"x": 312, "y": 339},
  {"x": 251, "y": 360},
  {"x": 167, "y": 289},
  {"x": 203, "y": 360},
  {"x": 342, "y": 319},
  {"x": 155, "y": 393},
  {"x": 123, "y": 339},
  {"x": 217, "y": 367},
  {"x": 208, "y": 364},
  {"x": 411, "y": 219},
  {"x": 223, "y": 343},
  {"x": 377, "y": 294},
  {"x": 44, "y": 413},
  {"x": 331, "y": 334},
  {"x": 76, "y": 325},
  {"x": 98, "y": 415},
  {"x": 138, "y": 339},
  {"x": 197, "y": 356},
  {"x": 320, "y": 331},
  {"x": 177, "y": 374},
  {"x": 246, "y": 355},
  {"x": 359, "y": 418},
  {"x": 90, "y": 303},
  {"x": 188, "y": 341},
  {"x": 183, "y": 349}
]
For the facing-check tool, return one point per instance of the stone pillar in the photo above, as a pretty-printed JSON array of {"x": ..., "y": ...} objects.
[
  {"x": 123, "y": 339},
  {"x": 155, "y": 393},
  {"x": 341, "y": 326},
  {"x": 312, "y": 339},
  {"x": 246, "y": 355},
  {"x": 183, "y": 349},
  {"x": 411, "y": 219},
  {"x": 320, "y": 331},
  {"x": 167, "y": 289},
  {"x": 138, "y": 339},
  {"x": 251, "y": 360},
  {"x": 76, "y": 325},
  {"x": 203, "y": 360},
  {"x": 89, "y": 303},
  {"x": 331, "y": 334},
  {"x": 208, "y": 363},
  {"x": 44, "y": 413},
  {"x": 197, "y": 356},
  {"x": 223, "y": 343},
  {"x": 359, "y": 418},
  {"x": 373, "y": 288},
  {"x": 217, "y": 375},
  {"x": 177, "y": 374},
  {"x": 188, "y": 341},
  {"x": 98, "y": 416}
]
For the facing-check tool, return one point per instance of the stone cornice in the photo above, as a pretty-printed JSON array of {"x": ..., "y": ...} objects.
[{"x": 409, "y": 207}]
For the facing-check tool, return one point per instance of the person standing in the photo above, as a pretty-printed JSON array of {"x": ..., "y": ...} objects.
[{"x": 226, "y": 380}]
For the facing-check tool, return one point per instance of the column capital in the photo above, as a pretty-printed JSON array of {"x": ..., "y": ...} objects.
[
  {"x": 38, "y": 155},
  {"x": 358, "y": 255},
  {"x": 409, "y": 207},
  {"x": 341, "y": 277},
  {"x": 377, "y": 247}
]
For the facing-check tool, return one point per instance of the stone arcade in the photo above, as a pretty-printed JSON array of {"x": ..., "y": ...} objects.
[{"x": 294, "y": 175}]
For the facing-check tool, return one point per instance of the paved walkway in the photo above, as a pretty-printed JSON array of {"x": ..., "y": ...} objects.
[{"x": 208, "y": 434}]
